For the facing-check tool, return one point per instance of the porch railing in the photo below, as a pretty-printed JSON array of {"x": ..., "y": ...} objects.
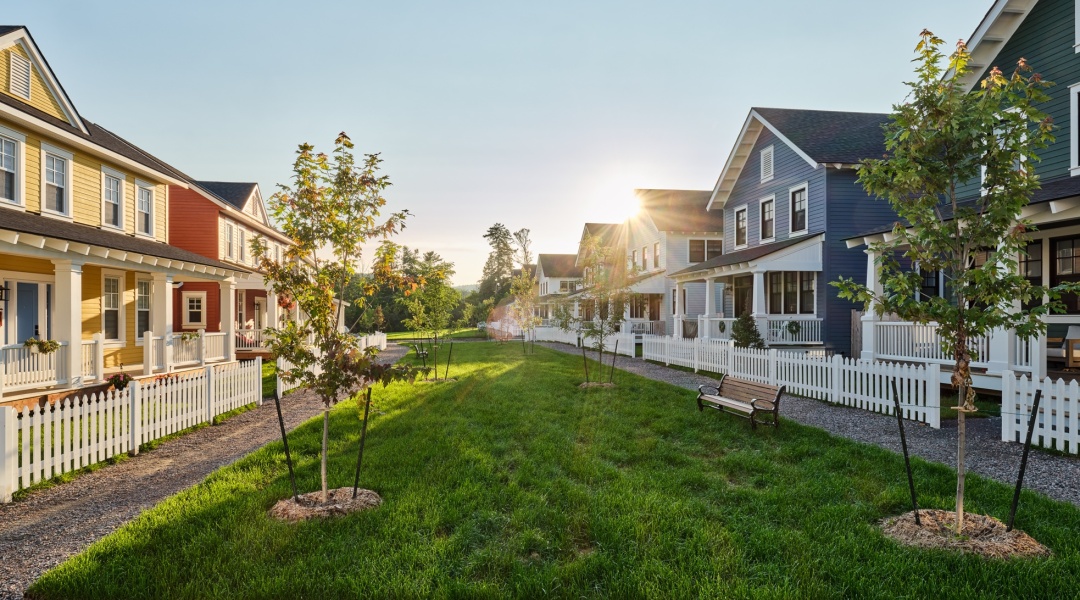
[
  {"x": 250, "y": 339},
  {"x": 214, "y": 346},
  {"x": 186, "y": 352},
  {"x": 793, "y": 330},
  {"x": 643, "y": 327},
  {"x": 93, "y": 359},
  {"x": 715, "y": 328},
  {"x": 23, "y": 369},
  {"x": 904, "y": 340}
]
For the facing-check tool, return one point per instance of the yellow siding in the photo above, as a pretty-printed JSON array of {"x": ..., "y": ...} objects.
[
  {"x": 25, "y": 264},
  {"x": 91, "y": 301},
  {"x": 115, "y": 355},
  {"x": 161, "y": 212},
  {"x": 33, "y": 174},
  {"x": 86, "y": 178},
  {"x": 40, "y": 96}
]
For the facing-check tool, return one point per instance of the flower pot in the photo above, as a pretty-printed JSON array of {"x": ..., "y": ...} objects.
[{"x": 34, "y": 349}]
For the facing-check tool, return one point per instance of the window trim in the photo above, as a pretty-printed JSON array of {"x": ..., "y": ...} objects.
[
  {"x": 149, "y": 310},
  {"x": 770, "y": 150},
  {"x": 761, "y": 219},
  {"x": 107, "y": 173},
  {"x": 19, "y": 140},
  {"x": 230, "y": 238},
  {"x": 139, "y": 186},
  {"x": 1074, "y": 125},
  {"x": 186, "y": 323},
  {"x": 121, "y": 278},
  {"x": 805, "y": 187},
  {"x": 645, "y": 257},
  {"x": 735, "y": 227},
  {"x": 242, "y": 250},
  {"x": 69, "y": 186}
]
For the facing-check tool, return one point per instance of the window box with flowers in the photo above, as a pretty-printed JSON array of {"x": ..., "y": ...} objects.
[{"x": 41, "y": 346}]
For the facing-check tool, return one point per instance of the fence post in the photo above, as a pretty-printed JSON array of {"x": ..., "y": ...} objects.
[
  {"x": 210, "y": 395},
  {"x": 9, "y": 452},
  {"x": 167, "y": 345},
  {"x": 697, "y": 353},
  {"x": 135, "y": 414},
  {"x": 1008, "y": 406},
  {"x": 200, "y": 347},
  {"x": 772, "y": 366},
  {"x": 258, "y": 381},
  {"x": 730, "y": 355},
  {"x": 99, "y": 356},
  {"x": 837, "y": 387},
  {"x": 147, "y": 353},
  {"x": 933, "y": 394}
]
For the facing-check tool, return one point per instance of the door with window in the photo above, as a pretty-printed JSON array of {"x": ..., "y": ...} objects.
[{"x": 26, "y": 311}]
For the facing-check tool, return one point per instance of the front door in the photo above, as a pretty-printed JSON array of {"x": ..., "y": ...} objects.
[
  {"x": 259, "y": 312},
  {"x": 27, "y": 316},
  {"x": 743, "y": 295}
]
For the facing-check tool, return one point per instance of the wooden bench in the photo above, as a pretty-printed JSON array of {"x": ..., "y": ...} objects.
[
  {"x": 743, "y": 398},
  {"x": 420, "y": 352}
]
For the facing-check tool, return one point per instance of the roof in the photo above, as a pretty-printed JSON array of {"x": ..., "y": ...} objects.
[
  {"x": 680, "y": 210},
  {"x": 605, "y": 231},
  {"x": 994, "y": 31},
  {"x": 829, "y": 136},
  {"x": 25, "y": 222},
  {"x": 559, "y": 265},
  {"x": 817, "y": 136},
  {"x": 743, "y": 255},
  {"x": 6, "y": 29},
  {"x": 235, "y": 193}
]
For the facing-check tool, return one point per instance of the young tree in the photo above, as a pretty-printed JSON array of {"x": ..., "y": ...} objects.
[
  {"x": 604, "y": 295},
  {"x": 523, "y": 287},
  {"x": 939, "y": 141},
  {"x": 331, "y": 209},
  {"x": 744, "y": 332}
]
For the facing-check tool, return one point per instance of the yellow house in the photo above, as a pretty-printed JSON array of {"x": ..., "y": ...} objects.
[{"x": 84, "y": 252}]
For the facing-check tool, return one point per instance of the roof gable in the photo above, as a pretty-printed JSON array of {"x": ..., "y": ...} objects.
[
  {"x": 558, "y": 265},
  {"x": 245, "y": 197},
  {"x": 816, "y": 136},
  {"x": 994, "y": 31},
  {"x": 17, "y": 39}
]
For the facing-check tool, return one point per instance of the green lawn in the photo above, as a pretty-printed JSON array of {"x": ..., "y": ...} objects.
[
  {"x": 458, "y": 334},
  {"x": 269, "y": 379},
  {"x": 515, "y": 482}
]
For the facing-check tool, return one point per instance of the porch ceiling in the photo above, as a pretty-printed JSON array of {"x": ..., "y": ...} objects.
[{"x": 29, "y": 234}]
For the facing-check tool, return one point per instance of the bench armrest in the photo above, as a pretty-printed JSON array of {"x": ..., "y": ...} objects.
[
  {"x": 715, "y": 390},
  {"x": 760, "y": 404}
]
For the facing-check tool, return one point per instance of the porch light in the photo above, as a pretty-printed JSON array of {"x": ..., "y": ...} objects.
[{"x": 3, "y": 293}]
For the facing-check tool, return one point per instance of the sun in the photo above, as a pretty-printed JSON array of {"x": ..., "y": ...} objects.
[{"x": 612, "y": 199}]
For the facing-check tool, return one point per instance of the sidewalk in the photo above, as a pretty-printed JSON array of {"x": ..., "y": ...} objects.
[
  {"x": 1056, "y": 476},
  {"x": 53, "y": 524}
]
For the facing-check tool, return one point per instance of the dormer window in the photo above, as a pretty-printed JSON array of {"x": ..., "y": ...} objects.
[
  {"x": 19, "y": 76},
  {"x": 766, "y": 164}
]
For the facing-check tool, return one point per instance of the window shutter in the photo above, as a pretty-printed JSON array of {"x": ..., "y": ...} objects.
[
  {"x": 20, "y": 76},
  {"x": 767, "y": 164}
]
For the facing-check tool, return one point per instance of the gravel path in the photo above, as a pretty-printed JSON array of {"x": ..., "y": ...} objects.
[
  {"x": 1055, "y": 475},
  {"x": 54, "y": 524}
]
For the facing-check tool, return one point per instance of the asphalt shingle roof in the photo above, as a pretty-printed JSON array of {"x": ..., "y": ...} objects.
[
  {"x": 681, "y": 210},
  {"x": 559, "y": 265},
  {"x": 828, "y": 136},
  {"x": 743, "y": 255},
  {"x": 235, "y": 193}
]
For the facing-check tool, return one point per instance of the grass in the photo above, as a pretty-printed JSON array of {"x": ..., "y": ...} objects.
[
  {"x": 513, "y": 481},
  {"x": 457, "y": 334},
  {"x": 269, "y": 379}
]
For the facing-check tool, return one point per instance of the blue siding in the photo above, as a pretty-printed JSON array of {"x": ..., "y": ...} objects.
[
  {"x": 850, "y": 212},
  {"x": 789, "y": 169}
]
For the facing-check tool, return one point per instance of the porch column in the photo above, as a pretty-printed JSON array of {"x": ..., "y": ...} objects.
[
  {"x": 227, "y": 289},
  {"x": 67, "y": 323},
  {"x": 271, "y": 309},
  {"x": 870, "y": 317},
  {"x": 760, "y": 312},
  {"x": 161, "y": 314},
  {"x": 710, "y": 306},
  {"x": 680, "y": 310}
]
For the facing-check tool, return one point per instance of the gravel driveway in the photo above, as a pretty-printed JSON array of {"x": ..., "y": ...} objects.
[
  {"x": 54, "y": 524},
  {"x": 1054, "y": 475}
]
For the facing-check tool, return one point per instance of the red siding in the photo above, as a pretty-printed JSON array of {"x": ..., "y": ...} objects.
[
  {"x": 213, "y": 308},
  {"x": 193, "y": 222}
]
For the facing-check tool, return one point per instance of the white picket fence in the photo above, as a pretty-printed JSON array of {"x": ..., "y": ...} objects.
[
  {"x": 851, "y": 382},
  {"x": 38, "y": 443},
  {"x": 1058, "y": 420},
  {"x": 554, "y": 334}
]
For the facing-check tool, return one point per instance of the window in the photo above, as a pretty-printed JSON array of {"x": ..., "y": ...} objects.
[
  {"x": 767, "y": 164},
  {"x": 144, "y": 214},
  {"x": 768, "y": 219},
  {"x": 638, "y": 306},
  {"x": 11, "y": 153},
  {"x": 929, "y": 286},
  {"x": 229, "y": 247},
  {"x": 56, "y": 181},
  {"x": 806, "y": 292},
  {"x": 243, "y": 245},
  {"x": 110, "y": 308},
  {"x": 713, "y": 248},
  {"x": 194, "y": 306},
  {"x": 740, "y": 227},
  {"x": 656, "y": 255},
  {"x": 564, "y": 286},
  {"x": 19, "y": 76},
  {"x": 674, "y": 301},
  {"x": 776, "y": 292},
  {"x": 791, "y": 292},
  {"x": 703, "y": 250},
  {"x": 1030, "y": 267},
  {"x": 697, "y": 251},
  {"x": 142, "y": 308},
  {"x": 644, "y": 258},
  {"x": 112, "y": 199},
  {"x": 633, "y": 258},
  {"x": 798, "y": 209}
]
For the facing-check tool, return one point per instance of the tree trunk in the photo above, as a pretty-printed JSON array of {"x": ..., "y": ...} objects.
[
  {"x": 961, "y": 442},
  {"x": 325, "y": 450},
  {"x": 962, "y": 380}
]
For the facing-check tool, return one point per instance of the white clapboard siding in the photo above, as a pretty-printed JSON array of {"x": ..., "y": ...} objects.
[{"x": 1057, "y": 420}]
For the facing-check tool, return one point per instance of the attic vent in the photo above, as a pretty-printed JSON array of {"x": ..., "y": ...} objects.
[
  {"x": 19, "y": 76},
  {"x": 767, "y": 164}
]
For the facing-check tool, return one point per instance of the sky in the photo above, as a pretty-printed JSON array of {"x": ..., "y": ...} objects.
[{"x": 538, "y": 115}]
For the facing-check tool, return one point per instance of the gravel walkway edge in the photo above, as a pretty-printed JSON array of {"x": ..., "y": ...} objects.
[
  {"x": 53, "y": 524},
  {"x": 1055, "y": 475}
]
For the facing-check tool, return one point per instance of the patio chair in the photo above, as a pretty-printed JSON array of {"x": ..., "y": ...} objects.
[{"x": 1069, "y": 351}]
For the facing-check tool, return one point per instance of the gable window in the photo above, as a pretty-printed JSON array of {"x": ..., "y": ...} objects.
[
  {"x": 768, "y": 219},
  {"x": 19, "y": 76},
  {"x": 144, "y": 213},
  {"x": 112, "y": 205},
  {"x": 740, "y": 227},
  {"x": 798, "y": 209},
  {"x": 142, "y": 308},
  {"x": 111, "y": 323},
  {"x": 56, "y": 181},
  {"x": 11, "y": 152},
  {"x": 194, "y": 305},
  {"x": 656, "y": 255},
  {"x": 229, "y": 247},
  {"x": 767, "y": 164}
]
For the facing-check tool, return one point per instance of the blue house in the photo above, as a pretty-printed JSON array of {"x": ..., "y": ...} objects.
[{"x": 790, "y": 199}]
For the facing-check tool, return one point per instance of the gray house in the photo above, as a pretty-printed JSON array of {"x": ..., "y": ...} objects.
[{"x": 789, "y": 199}]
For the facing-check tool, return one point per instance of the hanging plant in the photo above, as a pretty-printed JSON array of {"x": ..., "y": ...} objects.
[
  {"x": 793, "y": 328},
  {"x": 119, "y": 380},
  {"x": 188, "y": 336},
  {"x": 285, "y": 301},
  {"x": 43, "y": 346}
]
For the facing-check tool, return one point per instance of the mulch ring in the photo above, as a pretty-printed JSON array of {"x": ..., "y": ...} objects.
[
  {"x": 982, "y": 535},
  {"x": 340, "y": 502},
  {"x": 595, "y": 384}
]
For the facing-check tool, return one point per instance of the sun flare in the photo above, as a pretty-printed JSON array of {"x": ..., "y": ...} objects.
[{"x": 613, "y": 200}]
